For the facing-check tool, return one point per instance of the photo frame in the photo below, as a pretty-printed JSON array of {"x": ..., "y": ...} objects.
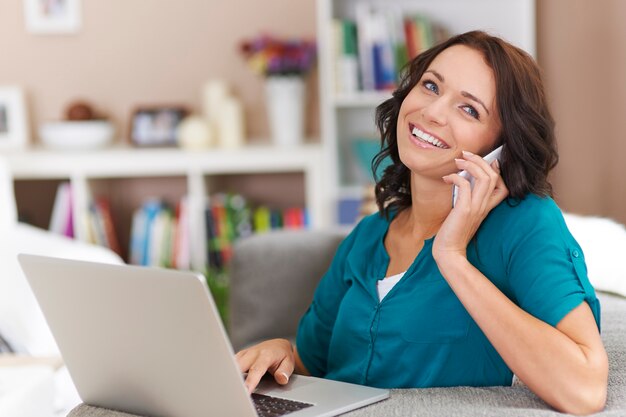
[
  {"x": 13, "y": 120},
  {"x": 52, "y": 16},
  {"x": 156, "y": 125}
]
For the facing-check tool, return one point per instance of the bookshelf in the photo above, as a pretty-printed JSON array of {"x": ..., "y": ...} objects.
[
  {"x": 129, "y": 175},
  {"x": 349, "y": 116}
]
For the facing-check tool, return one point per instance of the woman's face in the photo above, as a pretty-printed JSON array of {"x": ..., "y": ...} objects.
[{"x": 451, "y": 109}]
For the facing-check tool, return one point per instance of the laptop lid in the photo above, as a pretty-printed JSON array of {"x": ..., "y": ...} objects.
[{"x": 142, "y": 340}]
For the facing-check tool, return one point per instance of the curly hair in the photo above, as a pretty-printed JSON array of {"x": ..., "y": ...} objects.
[{"x": 529, "y": 151}]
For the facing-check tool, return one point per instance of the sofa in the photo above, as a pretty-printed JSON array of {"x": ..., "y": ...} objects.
[{"x": 272, "y": 281}]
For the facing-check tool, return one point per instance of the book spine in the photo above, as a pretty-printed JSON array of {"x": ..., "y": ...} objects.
[
  {"x": 104, "y": 212},
  {"x": 364, "y": 32}
]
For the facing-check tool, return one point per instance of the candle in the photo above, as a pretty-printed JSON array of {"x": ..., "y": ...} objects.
[
  {"x": 231, "y": 124},
  {"x": 214, "y": 93}
]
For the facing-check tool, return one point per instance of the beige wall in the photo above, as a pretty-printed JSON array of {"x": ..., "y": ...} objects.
[
  {"x": 582, "y": 49},
  {"x": 133, "y": 52}
]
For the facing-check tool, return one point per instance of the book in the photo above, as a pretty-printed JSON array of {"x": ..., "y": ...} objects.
[
  {"x": 61, "y": 220},
  {"x": 104, "y": 218},
  {"x": 182, "y": 245},
  {"x": 213, "y": 248},
  {"x": 137, "y": 236},
  {"x": 346, "y": 56},
  {"x": 383, "y": 54},
  {"x": 365, "y": 30},
  {"x": 141, "y": 232}
]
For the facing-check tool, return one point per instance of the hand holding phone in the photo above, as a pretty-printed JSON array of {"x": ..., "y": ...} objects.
[{"x": 489, "y": 158}]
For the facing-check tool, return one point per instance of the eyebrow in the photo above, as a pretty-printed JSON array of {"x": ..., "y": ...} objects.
[{"x": 463, "y": 93}]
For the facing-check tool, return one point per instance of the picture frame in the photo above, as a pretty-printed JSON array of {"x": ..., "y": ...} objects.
[
  {"x": 13, "y": 119},
  {"x": 52, "y": 16},
  {"x": 156, "y": 125}
]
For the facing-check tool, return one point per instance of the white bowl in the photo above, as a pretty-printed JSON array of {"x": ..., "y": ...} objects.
[{"x": 89, "y": 134}]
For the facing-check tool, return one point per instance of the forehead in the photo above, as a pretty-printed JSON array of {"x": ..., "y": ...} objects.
[{"x": 465, "y": 69}]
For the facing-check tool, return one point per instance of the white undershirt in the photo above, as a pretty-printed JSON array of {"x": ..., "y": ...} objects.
[{"x": 386, "y": 284}]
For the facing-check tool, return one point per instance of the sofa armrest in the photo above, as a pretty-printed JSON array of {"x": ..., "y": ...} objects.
[{"x": 21, "y": 322}]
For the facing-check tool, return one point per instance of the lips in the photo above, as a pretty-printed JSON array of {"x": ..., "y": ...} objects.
[{"x": 424, "y": 137}]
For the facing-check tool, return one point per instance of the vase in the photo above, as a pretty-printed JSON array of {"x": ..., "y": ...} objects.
[{"x": 285, "y": 109}]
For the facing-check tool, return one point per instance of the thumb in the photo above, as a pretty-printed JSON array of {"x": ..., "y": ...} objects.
[{"x": 284, "y": 371}]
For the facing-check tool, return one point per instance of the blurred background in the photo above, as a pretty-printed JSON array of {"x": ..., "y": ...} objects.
[{"x": 141, "y": 55}]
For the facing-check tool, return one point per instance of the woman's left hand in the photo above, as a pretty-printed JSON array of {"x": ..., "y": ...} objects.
[{"x": 472, "y": 205}]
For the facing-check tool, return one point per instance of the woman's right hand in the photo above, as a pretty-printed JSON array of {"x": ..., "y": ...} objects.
[{"x": 275, "y": 356}]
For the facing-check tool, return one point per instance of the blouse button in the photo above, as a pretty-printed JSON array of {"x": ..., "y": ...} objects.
[{"x": 575, "y": 253}]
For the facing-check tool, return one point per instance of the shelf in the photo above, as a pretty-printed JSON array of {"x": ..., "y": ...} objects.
[
  {"x": 127, "y": 176},
  {"x": 346, "y": 116},
  {"x": 135, "y": 162}
]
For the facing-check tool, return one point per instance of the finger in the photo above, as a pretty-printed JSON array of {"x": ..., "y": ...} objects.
[
  {"x": 284, "y": 371},
  {"x": 495, "y": 165},
  {"x": 500, "y": 192},
  {"x": 478, "y": 160},
  {"x": 463, "y": 198},
  {"x": 500, "y": 185},
  {"x": 483, "y": 182},
  {"x": 241, "y": 354},
  {"x": 486, "y": 167},
  {"x": 245, "y": 360},
  {"x": 255, "y": 373}
]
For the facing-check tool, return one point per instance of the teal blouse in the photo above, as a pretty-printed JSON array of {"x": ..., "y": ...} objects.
[{"x": 420, "y": 335}]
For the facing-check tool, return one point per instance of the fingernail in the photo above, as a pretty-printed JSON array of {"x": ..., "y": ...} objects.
[
  {"x": 459, "y": 160},
  {"x": 497, "y": 164},
  {"x": 285, "y": 375},
  {"x": 467, "y": 153}
]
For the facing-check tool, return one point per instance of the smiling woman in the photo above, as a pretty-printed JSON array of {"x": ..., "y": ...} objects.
[
  {"x": 422, "y": 294},
  {"x": 517, "y": 99}
]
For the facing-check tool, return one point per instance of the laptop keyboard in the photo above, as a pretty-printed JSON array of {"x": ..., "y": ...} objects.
[{"x": 267, "y": 406}]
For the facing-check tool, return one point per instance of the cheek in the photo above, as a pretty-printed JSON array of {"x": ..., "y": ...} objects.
[{"x": 477, "y": 140}]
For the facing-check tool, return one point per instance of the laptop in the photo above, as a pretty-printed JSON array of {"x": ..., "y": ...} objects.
[{"x": 149, "y": 341}]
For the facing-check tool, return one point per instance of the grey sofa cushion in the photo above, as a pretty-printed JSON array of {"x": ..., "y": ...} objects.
[{"x": 273, "y": 277}]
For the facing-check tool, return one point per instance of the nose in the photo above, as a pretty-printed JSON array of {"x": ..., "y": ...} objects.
[{"x": 436, "y": 111}]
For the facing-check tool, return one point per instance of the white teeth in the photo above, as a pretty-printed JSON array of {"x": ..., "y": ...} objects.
[{"x": 425, "y": 137}]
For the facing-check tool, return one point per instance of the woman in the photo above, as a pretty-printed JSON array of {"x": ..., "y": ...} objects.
[{"x": 422, "y": 294}]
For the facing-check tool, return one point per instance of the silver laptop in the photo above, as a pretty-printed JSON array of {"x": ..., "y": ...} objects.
[{"x": 149, "y": 341}]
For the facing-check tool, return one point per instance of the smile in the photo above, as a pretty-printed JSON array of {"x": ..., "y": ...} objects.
[{"x": 427, "y": 138}]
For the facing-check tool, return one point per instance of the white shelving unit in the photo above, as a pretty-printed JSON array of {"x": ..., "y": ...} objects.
[
  {"x": 197, "y": 168},
  {"x": 345, "y": 117}
]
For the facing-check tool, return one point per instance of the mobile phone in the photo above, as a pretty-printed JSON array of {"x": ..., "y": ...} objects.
[{"x": 489, "y": 158}]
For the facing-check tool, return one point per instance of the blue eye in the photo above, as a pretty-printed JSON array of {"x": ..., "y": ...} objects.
[
  {"x": 431, "y": 86},
  {"x": 471, "y": 111}
]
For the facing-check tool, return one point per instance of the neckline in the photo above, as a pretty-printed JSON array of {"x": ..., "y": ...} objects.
[{"x": 385, "y": 254}]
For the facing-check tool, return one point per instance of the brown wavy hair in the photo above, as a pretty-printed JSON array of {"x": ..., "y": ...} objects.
[{"x": 529, "y": 151}]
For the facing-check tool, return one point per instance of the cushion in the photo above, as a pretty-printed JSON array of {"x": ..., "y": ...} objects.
[
  {"x": 264, "y": 286},
  {"x": 602, "y": 241}
]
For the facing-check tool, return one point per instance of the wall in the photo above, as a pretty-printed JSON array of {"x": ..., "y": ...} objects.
[
  {"x": 153, "y": 51},
  {"x": 582, "y": 49},
  {"x": 137, "y": 52}
]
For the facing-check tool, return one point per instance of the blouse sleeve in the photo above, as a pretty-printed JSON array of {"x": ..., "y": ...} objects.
[
  {"x": 546, "y": 267},
  {"x": 316, "y": 326}
]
